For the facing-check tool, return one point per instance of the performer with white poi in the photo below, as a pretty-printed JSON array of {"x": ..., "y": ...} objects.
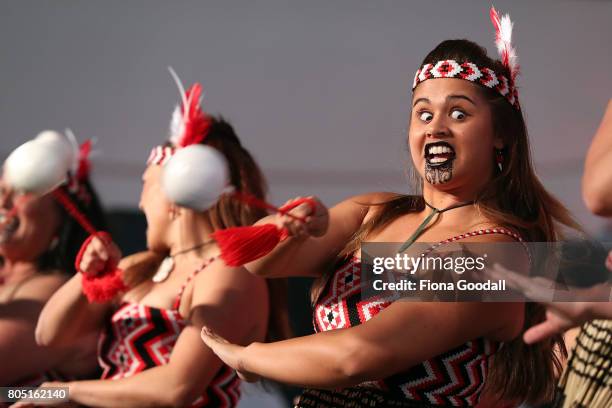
[
  {"x": 150, "y": 346},
  {"x": 38, "y": 242}
]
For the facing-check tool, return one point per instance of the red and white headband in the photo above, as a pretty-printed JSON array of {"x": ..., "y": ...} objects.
[
  {"x": 160, "y": 155},
  {"x": 189, "y": 124},
  {"x": 482, "y": 75}
]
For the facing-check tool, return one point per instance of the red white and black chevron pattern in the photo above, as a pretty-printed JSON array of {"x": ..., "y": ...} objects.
[
  {"x": 454, "y": 378},
  {"x": 139, "y": 337},
  {"x": 470, "y": 72}
]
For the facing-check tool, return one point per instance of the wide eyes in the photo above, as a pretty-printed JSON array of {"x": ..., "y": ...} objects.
[
  {"x": 457, "y": 114},
  {"x": 425, "y": 116}
]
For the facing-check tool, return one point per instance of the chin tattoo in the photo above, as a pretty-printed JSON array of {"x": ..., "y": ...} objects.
[
  {"x": 439, "y": 159},
  {"x": 439, "y": 174}
]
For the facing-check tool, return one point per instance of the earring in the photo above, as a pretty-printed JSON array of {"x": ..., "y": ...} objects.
[
  {"x": 54, "y": 243},
  {"x": 499, "y": 159}
]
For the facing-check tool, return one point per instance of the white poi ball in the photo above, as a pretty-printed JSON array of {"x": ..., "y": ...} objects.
[
  {"x": 61, "y": 144},
  {"x": 35, "y": 167},
  {"x": 195, "y": 177}
]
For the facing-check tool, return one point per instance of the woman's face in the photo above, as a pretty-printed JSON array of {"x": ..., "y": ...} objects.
[
  {"x": 27, "y": 225},
  {"x": 156, "y": 208},
  {"x": 451, "y": 134}
]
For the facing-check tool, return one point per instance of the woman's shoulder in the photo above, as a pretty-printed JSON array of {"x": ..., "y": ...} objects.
[
  {"x": 372, "y": 203},
  {"x": 40, "y": 286},
  {"x": 139, "y": 267},
  {"x": 374, "y": 198},
  {"x": 501, "y": 244},
  {"x": 490, "y": 232},
  {"x": 218, "y": 277},
  {"x": 222, "y": 291},
  {"x": 139, "y": 258},
  {"x": 140, "y": 264}
]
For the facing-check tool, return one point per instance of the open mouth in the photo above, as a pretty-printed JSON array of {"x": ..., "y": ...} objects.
[
  {"x": 439, "y": 153},
  {"x": 8, "y": 226}
]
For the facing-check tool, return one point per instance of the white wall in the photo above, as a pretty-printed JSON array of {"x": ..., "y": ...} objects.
[{"x": 318, "y": 90}]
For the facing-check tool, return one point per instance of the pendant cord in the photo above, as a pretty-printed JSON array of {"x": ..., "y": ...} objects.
[
  {"x": 452, "y": 207},
  {"x": 434, "y": 212},
  {"x": 193, "y": 248}
]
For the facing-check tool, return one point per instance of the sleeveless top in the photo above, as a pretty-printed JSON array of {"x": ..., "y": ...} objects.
[
  {"x": 139, "y": 337},
  {"x": 453, "y": 378}
]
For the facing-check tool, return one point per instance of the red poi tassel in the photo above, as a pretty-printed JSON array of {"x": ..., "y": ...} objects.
[
  {"x": 241, "y": 245},
  {"x": 109, "y": 282},
  {"x": 104, "y": 286}
]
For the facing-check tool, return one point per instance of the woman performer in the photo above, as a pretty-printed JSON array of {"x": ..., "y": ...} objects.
[
  {"x": 150, "y": 346},
  {"x": 37, "y": 241},
  {"x": 469, "y": 144}
]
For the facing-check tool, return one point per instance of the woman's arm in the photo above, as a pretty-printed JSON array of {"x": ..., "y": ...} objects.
[
  {"x": 597, "y": 178},
  {"x": 176, "y": 384},
  {"x": 21, "y": 357},
  {"x": 563, "y": 316},
  {"x": 306, "y": 255},
  {"x": 68, "y": 316},
  {"x": 221, "y": 296},
  {"x": 401, "y": 336}
]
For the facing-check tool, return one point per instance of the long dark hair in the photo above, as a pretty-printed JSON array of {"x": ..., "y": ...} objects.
[
  {"x": 246, "y": 176},
  {"x": 516, "y": 199},
  {"x": 70, "y": 235}
]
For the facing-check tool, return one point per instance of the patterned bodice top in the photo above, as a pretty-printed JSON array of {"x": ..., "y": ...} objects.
[
  {"x": 139, "y": 337},
  {"x": 453, "y": 378}
]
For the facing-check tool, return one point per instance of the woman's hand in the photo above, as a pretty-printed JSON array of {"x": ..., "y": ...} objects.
[
  {"x": 560, "y": 315},
  {"x": 99, "y": 253},
  {"x": 315, "y": 222},
  {"x": 229, "y": 353}
]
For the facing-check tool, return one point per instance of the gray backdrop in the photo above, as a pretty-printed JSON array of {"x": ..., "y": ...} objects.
[{"x": 319, "y": 90}]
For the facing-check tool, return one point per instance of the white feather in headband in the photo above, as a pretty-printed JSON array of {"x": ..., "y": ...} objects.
[
  {"x": 503, "y": 41},
  {"x": 189, "y": 125}
]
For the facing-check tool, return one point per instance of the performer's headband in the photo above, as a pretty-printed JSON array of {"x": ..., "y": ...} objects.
[
  {"x": 470, "y": 72},
  {"x": 160, "y": 155},
  {"x": 482, "y": 75}
]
